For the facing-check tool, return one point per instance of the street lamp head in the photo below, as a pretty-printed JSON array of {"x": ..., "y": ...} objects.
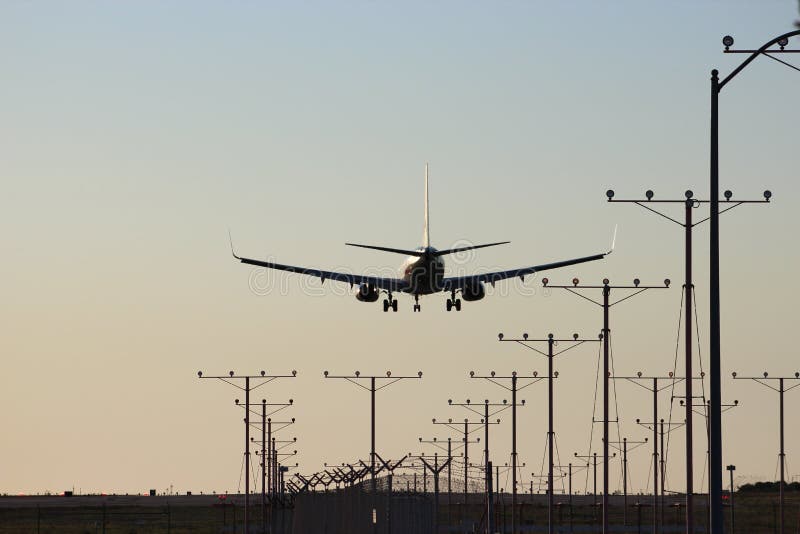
[
  {"x": 767, "y": 195},
  {"x": 689, "y": 194},
  {"x": 728, "y": 194},
  {"x": 727, "y": 41},
  {"x": 649, "y": 194},
  {"x": 610, "y": 194}
]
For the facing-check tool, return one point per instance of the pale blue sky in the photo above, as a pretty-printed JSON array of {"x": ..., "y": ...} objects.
[{"x": 134, "y": 135}]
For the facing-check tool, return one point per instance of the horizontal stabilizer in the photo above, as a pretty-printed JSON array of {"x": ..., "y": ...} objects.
[
  {"x": 462, "y": 249},
  {"x": 387, "y": 249}
]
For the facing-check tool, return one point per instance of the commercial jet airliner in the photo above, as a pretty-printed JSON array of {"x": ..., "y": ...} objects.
[{"x": 422, "y": 273}]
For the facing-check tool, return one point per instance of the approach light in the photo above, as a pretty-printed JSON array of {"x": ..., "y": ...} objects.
[
  {"x": 388, "y": 374},
  {"x": 294, "y": 372},
  {"x": 575, "y": 281},
  {"x": 468, "y": 401},
  {"x": 492, "y": 373},
  {"x": 263, "y": 401},
  {"x": 783, "y": 42},
  {"x": 535, "y": 373},
  {"x": 575, "y": 337},
  {"x": 689, "y": 194},
  {"x": 702, "y": 374},
  {"x": 236, "y": 401},
  {"x": 523, "y": 402},
  {"x": 263, "y": 373},
  {"x": 765, "y": 374},
  {"x": 610, "y": 194},
  {"x": 733, "y": 374},
  {"x": 555, "y": 374},
  {"x": 670, "y": 374},
  {"x": 545, "y": 281},
  {"x": 471, "y": 374},
  {"x": 728, "y": 194},
  {"x": 420, "y": 439},
  {"x": 504, "y": 401},
  {"x": 797, "y": 375},
  {"x": 500, "y": 336},
  {"x": 419, "y": 374},
  {"x": 549, "y": 336},
  {"x": 230, "y": 373},
  {"x": 639, "y": 374},
  {"x": 525, "y": 336},
  {"x": 767, "y": 195},
  {"x": 649, "y": 194},
  {"x": 637, "y": 422},
  {"x": 636, "y": 282},
  {"x": 358, "y": 373},
  {"x": 199, "y": 374},
  {"x": 325, "y": 373},
  {"x": 727, "y": 41},
  {"x": 605, "y": 281},
  {"x": 736, "y": 402},
  {"x": 667, "y": 282},
  {"x": 291, "y": 401}
]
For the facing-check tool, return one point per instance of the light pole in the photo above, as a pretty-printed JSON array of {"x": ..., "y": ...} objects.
[
  {"x": 465, "y": 441},
  {"x": 731, "y": 469},
  {"x": 262, "y": 379},
  {"x": 551, "y": 353},
  {"x": 606, "y": 305},
  {"x": 689, "y": 203},
  {"x": 373, "y": 388},
  {"x": 715, "y": 463},
  {"x": 781, "y": 389},
  {"x": 622, "y": 446}
]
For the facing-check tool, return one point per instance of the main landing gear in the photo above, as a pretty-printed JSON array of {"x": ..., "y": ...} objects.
[
  {"x": 390, "y": 303},
  {"x": 453, "y": 302},
  {"x": 417, "y": 307}
]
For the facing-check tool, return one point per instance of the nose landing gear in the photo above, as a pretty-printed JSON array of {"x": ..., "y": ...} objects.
[{"x": 417, "y": 307}]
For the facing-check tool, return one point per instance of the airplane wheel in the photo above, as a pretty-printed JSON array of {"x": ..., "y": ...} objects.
[
  {"x": 394, "y": 305},
  {"x": 385, "y": 305},
  {"x": 458, "y": 304},
  {"x": 449, "y": 304}
]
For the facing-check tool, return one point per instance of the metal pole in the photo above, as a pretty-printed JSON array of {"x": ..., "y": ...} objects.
[
  {"x": 688, "y": 286},
  {"x": 246, "y": 454},
  {"x": 625, "y": 481},
  {"x": 449, "y": 479},
  {"x": 663, "y": 477},
  {"x": 489, "y": 503},
  {"x": 570, "y": 497},
  {"x": 269, "y": 455},
  {"x": 550, "y": 344},
  {"x": 715, "y": 415},
  {"x": 594, "y": 455},
  {"x": 783, "y": 458},
  {"x": 466, "y": 461},
  {"x": 372, "y": 448},
  {"x": 263, "y": 465},
  {"x": 606, "y": 332},
  {"x": 514, "y": 453},
  {"x": 655, "y": 455},
  {"x": 733, "y": 514}
]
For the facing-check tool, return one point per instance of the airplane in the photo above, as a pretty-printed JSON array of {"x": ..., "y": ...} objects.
[{"x": 422, "y": 273}]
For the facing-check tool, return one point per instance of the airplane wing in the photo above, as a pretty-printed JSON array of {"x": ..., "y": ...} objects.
[
  {"x": 458, "y": 282},
  {"x": 388, "y": 284}
]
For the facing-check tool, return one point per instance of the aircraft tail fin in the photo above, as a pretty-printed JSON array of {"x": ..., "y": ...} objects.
[{"x": 426, "y": 236}]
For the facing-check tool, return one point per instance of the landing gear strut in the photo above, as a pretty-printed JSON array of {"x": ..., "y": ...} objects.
[
  {"x": 389, "y": 303},
  {"x": 453, "y": 302},
  {"x": 417, "y": 307}
]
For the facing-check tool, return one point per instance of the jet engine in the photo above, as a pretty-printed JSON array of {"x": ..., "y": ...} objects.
[
  {"x": 367, "y": 293},
  {"x": 474, "y": 291}
]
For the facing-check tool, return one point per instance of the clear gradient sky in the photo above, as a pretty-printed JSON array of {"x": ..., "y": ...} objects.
[{"x": 135, "y": 134}]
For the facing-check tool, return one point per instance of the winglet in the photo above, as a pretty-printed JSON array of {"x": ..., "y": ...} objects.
[
  {"x": 230, "y": 239},
  {"x": 613, "y": 241}
]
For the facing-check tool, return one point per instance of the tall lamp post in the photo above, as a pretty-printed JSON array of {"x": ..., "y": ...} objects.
[
  {"x": 715, "y": 447},
  {"x": 781, "y": 389}
]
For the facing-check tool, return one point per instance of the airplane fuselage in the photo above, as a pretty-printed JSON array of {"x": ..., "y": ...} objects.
[{"x": 424, "y": 274}]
